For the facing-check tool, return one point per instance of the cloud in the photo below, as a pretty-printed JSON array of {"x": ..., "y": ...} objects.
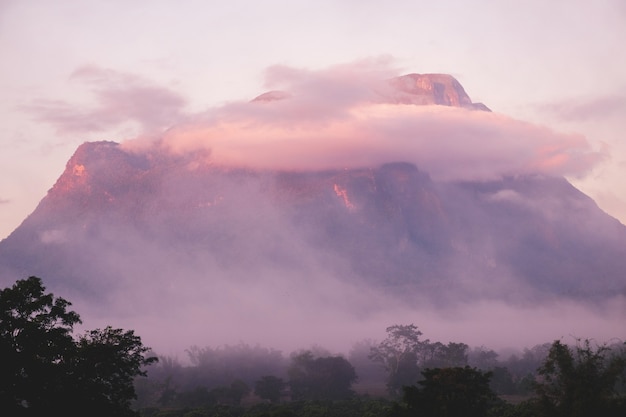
[
  {"x": 6, "y": 4},
  {"x": 596, "y": 108},
  {"x": 119, "y": 98},
  {"x": 344, "y": 117}
]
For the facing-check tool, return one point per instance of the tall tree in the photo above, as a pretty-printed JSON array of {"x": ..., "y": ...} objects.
[
  {"x": 35, "y": 345},
  {"x": 104, "y": 368},
  {"x": 328, "y": 378},
  {"x": 399, "y": 353},
  {"x": 45, "y": 370},
  {"x": 451, "y": 392},
  {"x": 579, "y": 381}
]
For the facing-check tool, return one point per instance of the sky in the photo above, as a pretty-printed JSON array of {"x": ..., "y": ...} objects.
[{"x": 73, "y": 71}]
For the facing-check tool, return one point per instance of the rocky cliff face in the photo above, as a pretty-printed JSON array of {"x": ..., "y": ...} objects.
[
  {"x": 426, "y": 89},
  {"x": 388, "y": 228}
]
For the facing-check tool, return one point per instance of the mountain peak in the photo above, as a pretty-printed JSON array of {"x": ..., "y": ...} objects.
[
  {"x": 425, "y": 89},
  {"x": 96, "y": 173},
  {"x": 416, "y": 89},
  {"x": 79, "y": 168}
]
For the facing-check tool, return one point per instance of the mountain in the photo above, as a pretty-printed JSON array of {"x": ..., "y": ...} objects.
[
  {"x": 416, "y": 89},
  {"x": 392, "y": 227},
  {"x": 424, "y": 89},
  {"x": 148, "y": 233}
]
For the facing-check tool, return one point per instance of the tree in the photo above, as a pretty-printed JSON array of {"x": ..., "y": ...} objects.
[
  {"x": 502, "y": 381},
  {"x": 238, "y": 390},
  {"x": 370, "y": 373},
  {"x": 579, "y": 381},
  {"x": 398, "y": 353},
  {"x": 45, "y": 370},
  {"x": 445, "y": 356},
  {"x": 270, "y": 388},
  {"x": 104, "y": 369},
  {"x": 35, "y": 340},
  {"x": 216, "y": 366},
  {"x": 327, "y": 378},
  {"x": 451, "y": 392},
  {"x": 483, "y": 358}
]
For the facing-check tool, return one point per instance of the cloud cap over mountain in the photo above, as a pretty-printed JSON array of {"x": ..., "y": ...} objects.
[{"x": 362, "y": 114}]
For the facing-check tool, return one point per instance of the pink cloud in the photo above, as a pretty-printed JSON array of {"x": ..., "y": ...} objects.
[
  {"x": 340, "y": 117},
  {"x": 119, "y": 98},
  {"x": 344, "y": 117},
  {"x": 599, "y": 107}
]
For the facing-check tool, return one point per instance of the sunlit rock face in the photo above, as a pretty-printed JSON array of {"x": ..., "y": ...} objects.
[{"x": 425, "y": 89}]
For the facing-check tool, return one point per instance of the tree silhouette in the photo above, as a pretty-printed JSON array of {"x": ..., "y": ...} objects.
[
  {"x": 46, "y": 371},
  {"x": 579, "y": 381},
  {"x": 398, "y": 353},
  {"x": 451, "y": 392},
  {"x": 270, "y": 388},
  {"x": 105, "y": 367},
  {"x": 327, "y": 378}
]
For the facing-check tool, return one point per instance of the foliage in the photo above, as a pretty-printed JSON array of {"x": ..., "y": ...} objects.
[
  {"x": 451, "y": 392},
  {"x": 237, "y": 390},
  {"x": 46, "y": 371},
  {"x": 502, "y": 381},
  {"x": 105, "y": 368},
  {"x": 403, "y": 354},
  {"x": 215, "y": 367},
  {"x": 354, "y": 407},
  {"x": 35, "y": 340},
  {"x": 398, "y": 353},
  {"x": 371, "y": 374},
  {"x": 438, "y": 355},
  {"x": 482, "y": 358},
  {"x": 529, "y": 361},
  {"x": 579, "y": 381},
  {"x": 443, "y": 391},
  {"x": 328, "y": 378},
  {"x": 270, "y": 388}
]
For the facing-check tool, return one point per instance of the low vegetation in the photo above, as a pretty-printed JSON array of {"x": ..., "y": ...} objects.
[{"x": 48, "y": 370}]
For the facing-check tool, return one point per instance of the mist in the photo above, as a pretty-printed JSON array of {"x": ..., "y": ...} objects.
[
  {"x": 266, "y": 220},
  {"x": 291, "y": 310},
  {"x": 243, "y": 270}
]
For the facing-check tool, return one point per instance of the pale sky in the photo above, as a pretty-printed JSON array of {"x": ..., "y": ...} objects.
[{"x": 128, "y": 67}]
